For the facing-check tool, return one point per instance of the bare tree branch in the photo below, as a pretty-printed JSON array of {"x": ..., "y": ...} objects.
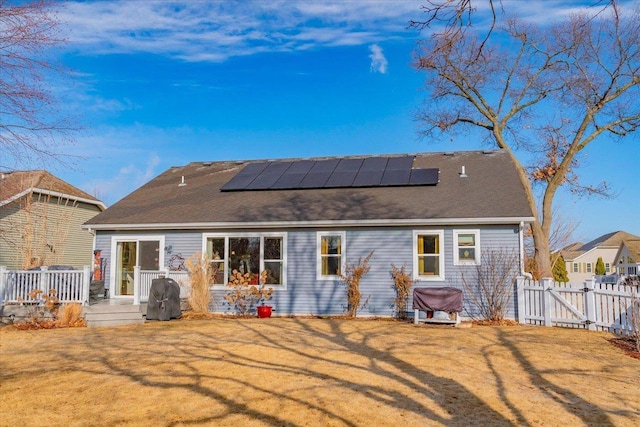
[
  {"x": 32, "y": 128},
  {"x": 542, "y": 90}
]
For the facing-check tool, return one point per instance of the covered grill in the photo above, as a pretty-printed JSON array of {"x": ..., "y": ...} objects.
[{"x": 164, "y": 300}]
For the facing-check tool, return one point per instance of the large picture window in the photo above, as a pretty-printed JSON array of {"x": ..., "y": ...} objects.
[
  {"x": 466, "y": 247},
  {"x": 247, "y": 253},
  {"x": 330, "y": 254},
  {"x": 428, "y": 256}
]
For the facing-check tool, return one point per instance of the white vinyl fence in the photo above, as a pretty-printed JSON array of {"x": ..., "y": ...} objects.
[
  {"x": 594, "y": 306},
  {"x": 22, "y": 286}
]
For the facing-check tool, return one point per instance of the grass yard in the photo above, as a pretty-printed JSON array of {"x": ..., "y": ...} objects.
[{"x": 307, "y": 372}]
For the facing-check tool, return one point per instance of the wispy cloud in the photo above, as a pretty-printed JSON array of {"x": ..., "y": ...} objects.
[
  {"x": 217, "y": 31},
  {"x": 378, "y": 61}
]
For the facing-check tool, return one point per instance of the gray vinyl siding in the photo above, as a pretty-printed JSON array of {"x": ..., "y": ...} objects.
[{"x": 306, "y": 295}]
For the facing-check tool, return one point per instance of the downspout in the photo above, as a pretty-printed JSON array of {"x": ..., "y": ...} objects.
[{"x": 521, "y": 237}]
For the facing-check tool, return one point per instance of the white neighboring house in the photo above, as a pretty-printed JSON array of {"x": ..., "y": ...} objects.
[
  {"x": 580, "y": 259},
  {"x": 627, "y": 260}
]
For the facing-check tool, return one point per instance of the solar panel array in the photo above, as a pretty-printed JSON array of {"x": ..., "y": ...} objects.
[{"x": 331, "y": 173}]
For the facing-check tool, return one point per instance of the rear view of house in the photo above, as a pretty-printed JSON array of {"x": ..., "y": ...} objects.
[
  {"x": 40, "y": 221},
  {"x": 303, "y": 220}
]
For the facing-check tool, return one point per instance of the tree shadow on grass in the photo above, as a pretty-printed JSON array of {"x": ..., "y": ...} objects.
[
  {"x": 218, "y": 366},
  {"x": 307, "y": 342},
  {"x": 572, "y": 402}
]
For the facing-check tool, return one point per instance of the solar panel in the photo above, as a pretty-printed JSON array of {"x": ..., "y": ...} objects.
[
  {"x": 319, "y": 173},
  {"x": 395, "y": 177},
  {"x": 400, "y": 163},
  {"x": 341, "y": 179},
  {"x": 293, "y": 176},
  {"x": 331, "y": 173},
  {"x": 424, "y": 176},
  {"x": 269, "y": 176},
  {"x": 374, "y": 164},
  {"x": 244, "y": 177}
]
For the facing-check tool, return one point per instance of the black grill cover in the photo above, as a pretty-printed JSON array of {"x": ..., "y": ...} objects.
[
  {"x": 96, "y": 290},
  {"x": 164, "y": 300}
]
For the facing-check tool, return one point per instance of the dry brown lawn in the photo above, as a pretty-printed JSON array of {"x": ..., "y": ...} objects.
[{"x": 307, "y": 372}]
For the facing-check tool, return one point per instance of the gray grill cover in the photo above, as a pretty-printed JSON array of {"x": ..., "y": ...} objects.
[
  {"x": 164, "y": 300},
  {"x": 437, "y": 299}
]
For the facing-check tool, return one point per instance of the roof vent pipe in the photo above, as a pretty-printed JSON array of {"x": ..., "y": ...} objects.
[
  {"x": 463, "y": 174},
  {"x": 182, "y": 183}
]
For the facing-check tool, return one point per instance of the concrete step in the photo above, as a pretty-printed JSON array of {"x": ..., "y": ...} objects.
[{"x": 114, "y": 315}]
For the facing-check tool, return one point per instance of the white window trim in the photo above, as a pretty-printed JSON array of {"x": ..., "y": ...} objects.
[
  {"x": 261, "y": 235},
  {"x": 588, "y": 267},
  {"x": 132, "y": 238},
  {"x": 343, "y": 252},
  {"x": 416, "y": 275},
  {"x": 456, "y": 256}
]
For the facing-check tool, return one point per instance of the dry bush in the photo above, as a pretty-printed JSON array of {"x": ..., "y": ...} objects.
[
  {"x": 69, "y": 316},
  {"x": 635, "y": 319},
  {"x": 491, "y": 283},
  {"x": 353, "y": 273},
  {"x": 201, "y": 275},
  {"x": 246, "y": 290},
  {"x": 634, "y": 309},
  {"x": 402, "y": 283}
]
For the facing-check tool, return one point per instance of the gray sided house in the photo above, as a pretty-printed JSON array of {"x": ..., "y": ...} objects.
[
  {"x": 41, "y": 219},
  {"x": 302, "y": 220}
]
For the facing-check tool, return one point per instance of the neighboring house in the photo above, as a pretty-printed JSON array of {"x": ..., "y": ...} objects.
[
  {"x": 41, "y": 220},
  {"x": 303, "y": 220},
  {"x": 581, "y": 258},
  {"x": 627, "y": 259}
]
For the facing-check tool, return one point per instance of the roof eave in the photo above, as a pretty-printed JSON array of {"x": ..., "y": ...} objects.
[
  {"x": 97, "y": 203},
  {"x": 311, "y": 224}
]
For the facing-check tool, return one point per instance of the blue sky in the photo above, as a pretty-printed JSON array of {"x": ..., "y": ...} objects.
[{"x": 158, "y": 84}]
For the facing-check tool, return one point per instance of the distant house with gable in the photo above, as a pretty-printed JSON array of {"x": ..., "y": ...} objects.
[
  {"x": 40, "y": 221},
  {"x": 627, "y": 260},
  {"x": 581, "y": 258}
]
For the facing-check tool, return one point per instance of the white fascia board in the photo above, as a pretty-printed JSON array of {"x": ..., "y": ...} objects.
[
  {"x": 58, "y": 194},
  {"x": 311, "y": 224}
]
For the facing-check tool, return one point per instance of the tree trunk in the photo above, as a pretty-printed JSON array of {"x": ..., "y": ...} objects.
[{"x": 542, "y": 254}]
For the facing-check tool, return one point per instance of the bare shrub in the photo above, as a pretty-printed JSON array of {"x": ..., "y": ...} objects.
[
  {"x": 635, "y": 319},
  {"x": 246, "y": 290},
  {"x": 70, "y": 315},
  {"x": 489, "y": 287},
  {"x": 353, "y": 273},
  {"x": 402, "y": 283},
  {"x": 201, "y": 275},
  {"x": 634, "y": 309}
]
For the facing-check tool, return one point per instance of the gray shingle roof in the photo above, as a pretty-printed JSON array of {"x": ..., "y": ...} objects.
[{"x": 491, "y": 190}]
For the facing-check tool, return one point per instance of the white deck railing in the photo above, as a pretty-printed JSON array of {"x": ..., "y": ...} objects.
[
  {"x": 142, "y": 282},
  {"x": 19, "y": 286}
]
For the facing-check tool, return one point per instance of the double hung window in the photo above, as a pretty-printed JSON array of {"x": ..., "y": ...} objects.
[
  {"x": 428, "y": 256},
  {"x": 330, "y": 254}
]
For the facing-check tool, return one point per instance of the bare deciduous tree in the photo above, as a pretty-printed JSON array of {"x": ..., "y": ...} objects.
[
  {"x": 490, "y": 285},
  {"x": 32, "y": 126},
  {"x": 542, "y": 93}
]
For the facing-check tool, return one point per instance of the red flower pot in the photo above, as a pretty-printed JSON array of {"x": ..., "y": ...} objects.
[{"x": 264, "y": 311}]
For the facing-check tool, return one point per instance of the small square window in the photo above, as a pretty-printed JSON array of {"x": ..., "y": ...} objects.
[{"x": 466, "y": 247}]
